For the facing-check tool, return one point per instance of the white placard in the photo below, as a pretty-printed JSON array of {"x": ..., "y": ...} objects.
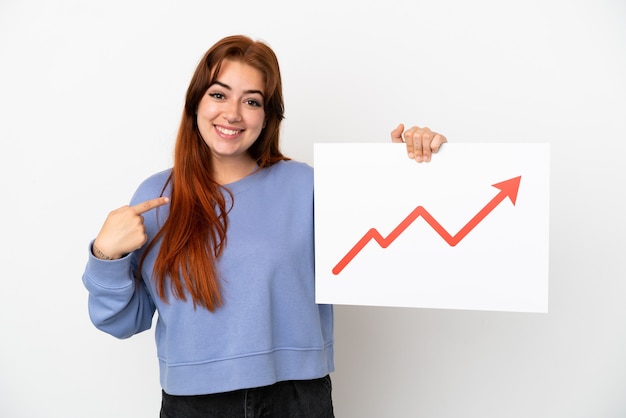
[{"x": 468, "y": 230}]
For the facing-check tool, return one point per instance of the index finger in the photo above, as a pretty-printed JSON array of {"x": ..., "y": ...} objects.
[
  {"x": 410, "y": 145},
  {"x": 143, "y": 207}
]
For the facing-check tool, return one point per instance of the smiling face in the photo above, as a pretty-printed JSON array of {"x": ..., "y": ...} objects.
[{"x": 231, "y": 116}]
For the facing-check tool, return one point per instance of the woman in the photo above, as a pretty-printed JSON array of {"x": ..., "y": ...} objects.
[{"x": 221, "y": 245}]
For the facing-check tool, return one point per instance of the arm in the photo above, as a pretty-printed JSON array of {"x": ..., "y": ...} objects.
[{"x": 119, "y": 303}]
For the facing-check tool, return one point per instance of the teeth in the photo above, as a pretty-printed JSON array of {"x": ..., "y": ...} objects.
[{"x": 227, "y": 131}]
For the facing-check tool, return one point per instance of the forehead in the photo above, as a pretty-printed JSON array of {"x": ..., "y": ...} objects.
[{"x": 237, "y": 74}]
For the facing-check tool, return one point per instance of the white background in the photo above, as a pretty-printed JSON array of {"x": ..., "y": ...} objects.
[{"x": 90, "y": 98}]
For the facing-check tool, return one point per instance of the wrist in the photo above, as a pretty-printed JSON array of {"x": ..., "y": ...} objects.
[{"x": 99, "y": 254}]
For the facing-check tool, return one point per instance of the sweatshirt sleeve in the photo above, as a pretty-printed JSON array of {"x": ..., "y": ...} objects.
[{"x": 119, "y": 304}]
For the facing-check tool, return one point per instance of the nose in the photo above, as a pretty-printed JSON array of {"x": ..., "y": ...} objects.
[{"x": 232, "y": 112}]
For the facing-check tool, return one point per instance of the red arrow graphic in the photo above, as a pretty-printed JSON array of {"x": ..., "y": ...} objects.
[{"x": 507, "y": 188}]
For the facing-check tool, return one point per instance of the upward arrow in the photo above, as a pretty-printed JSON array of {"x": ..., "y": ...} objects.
[{"x": 508, "y": 188}]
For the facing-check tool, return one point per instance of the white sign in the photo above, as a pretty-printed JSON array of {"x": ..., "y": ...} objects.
[{"x": 468, "y": 230}]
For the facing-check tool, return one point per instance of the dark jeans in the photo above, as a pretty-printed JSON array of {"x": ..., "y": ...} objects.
[{"x": 290, "y": 399}]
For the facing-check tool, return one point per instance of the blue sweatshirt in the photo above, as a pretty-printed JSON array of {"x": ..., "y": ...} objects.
[{"x": 269, "y": 328}]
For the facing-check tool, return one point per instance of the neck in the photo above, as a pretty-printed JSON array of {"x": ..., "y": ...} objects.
[{"x": 226, "y": 171}]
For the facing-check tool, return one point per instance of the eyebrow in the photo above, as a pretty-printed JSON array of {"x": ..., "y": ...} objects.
[{"x": 226, "y": 86}]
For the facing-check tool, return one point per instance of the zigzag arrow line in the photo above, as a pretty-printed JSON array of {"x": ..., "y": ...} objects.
[{"x": 507, "y": 188}]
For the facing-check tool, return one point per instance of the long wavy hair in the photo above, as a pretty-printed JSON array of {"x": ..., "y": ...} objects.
[{"x": 194, "y": 234}]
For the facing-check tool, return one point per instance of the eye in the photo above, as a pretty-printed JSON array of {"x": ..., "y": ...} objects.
[
  {"x": 217, "y": 95},
  {"x": 254, "y": 103}
]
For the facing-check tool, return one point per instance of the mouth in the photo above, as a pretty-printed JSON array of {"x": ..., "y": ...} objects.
[{"x": 228, "y": 131}]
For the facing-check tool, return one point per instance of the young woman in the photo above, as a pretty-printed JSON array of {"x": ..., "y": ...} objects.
[{"x": 221, "y": 245}]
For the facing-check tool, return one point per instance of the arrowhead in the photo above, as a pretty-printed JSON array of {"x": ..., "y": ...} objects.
[{"x": 509, "y": 188}]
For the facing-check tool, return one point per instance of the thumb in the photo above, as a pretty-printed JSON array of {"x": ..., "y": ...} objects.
[{"x": 396, "y": 134}]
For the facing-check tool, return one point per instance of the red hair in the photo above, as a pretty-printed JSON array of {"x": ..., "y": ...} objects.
[{"x": 194, "y": 234}]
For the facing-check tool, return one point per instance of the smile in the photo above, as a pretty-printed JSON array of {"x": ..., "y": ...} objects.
[{"x": 226, "y": 131}]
